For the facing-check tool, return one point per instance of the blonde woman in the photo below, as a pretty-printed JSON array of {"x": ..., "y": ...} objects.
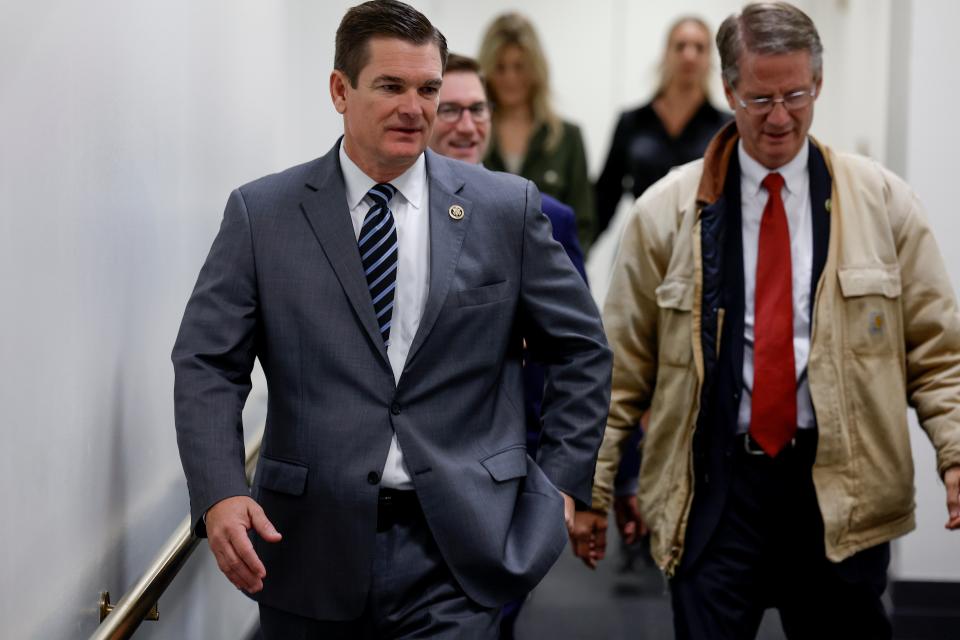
[
  {"x": 672, "y": 129},
  {"x": 529, "y": 138}
]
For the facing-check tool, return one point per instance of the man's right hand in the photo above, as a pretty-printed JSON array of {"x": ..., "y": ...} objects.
[
  {"x": 589, "y": 536},
  {"x": 628, "y": 518},
  {"x": 227, "y": 524}
]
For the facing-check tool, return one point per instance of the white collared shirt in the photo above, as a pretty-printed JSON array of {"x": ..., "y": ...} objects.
[
  {"x": 796, "y": 202},
  {"x": 410, "y": 207}
]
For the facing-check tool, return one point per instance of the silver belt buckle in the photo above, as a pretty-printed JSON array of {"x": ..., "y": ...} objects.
[
  {"x": 758, "y": 451},
  {"x": 749, "y": 449}
]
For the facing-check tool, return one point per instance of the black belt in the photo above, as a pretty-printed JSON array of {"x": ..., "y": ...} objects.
[
  {"x": 394, "y": 506},
  {"x": 803, "y": 442}
]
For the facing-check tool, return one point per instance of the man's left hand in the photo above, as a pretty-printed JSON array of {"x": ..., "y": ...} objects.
[
  {"x": 589, "y": 537},
  {"x": 952, "y": 479}
]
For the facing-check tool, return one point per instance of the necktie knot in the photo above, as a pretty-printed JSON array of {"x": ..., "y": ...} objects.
[
  {"x": 773, "y": 183},
  {"x": 382, "y": 193}
]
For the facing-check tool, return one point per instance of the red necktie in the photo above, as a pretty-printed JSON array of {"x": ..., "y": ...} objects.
[{"x": 773, "y": 410}]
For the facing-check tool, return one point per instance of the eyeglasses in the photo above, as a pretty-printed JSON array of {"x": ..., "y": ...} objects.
[
  {"x": 791, "y": 102},
  {"x": 450, "y": 112}
]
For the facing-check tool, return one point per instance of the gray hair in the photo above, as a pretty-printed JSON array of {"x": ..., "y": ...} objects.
[{"x": 767, "y": 28}]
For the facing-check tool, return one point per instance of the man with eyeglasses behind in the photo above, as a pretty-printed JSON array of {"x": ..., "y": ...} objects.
[
  {"x": 778, "y": 305},
  {"x": 456, "y": 134},
  {"x": 462, "y": 131}
]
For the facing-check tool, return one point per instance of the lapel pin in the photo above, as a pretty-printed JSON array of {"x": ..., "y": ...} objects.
[
  {"x": 456, "y": 212},
  {"x": 827, "y": 205}
]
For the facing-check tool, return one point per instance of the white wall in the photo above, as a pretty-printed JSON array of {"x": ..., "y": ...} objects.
[
  {"x": 928, "y": 137},
  {"x": 123, "y": 127},
  {"x": 851, "y": 113}
]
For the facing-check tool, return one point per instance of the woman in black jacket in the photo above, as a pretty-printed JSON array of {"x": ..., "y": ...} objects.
[{"x": 670, "y": 130}]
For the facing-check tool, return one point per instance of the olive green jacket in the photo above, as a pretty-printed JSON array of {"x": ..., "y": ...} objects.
[
  {"x": 560, "y": 171},
  {"x": 885, "y": 334}
]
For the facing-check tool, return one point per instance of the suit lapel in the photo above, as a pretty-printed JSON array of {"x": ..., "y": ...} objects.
[
  {"x": 446, "y": 240},
  {"x": 326, "y": 211},
  {"x": 820, "y": 187}
]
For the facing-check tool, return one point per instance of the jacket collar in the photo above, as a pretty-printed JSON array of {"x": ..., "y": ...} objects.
[
  {"x": 446, "y": 239},
  {"x": 536, "y": 147},
  {"x": 716, "y": 162},
  {"x": 325, "y": 207}
]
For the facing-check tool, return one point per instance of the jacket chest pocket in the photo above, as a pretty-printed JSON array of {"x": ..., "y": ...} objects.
[
  {"x": 480, "y": 295},
  {"x": 675, "y": 302},
  {"x": 871, "y": 301}
]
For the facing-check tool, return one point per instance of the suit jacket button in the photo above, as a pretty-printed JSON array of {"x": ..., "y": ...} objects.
[
  {"x": 395, "y": 409},
  {"x": 373, "y": 477}
]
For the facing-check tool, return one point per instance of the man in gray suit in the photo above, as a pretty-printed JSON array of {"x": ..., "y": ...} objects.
[{"x": 387, "y": 292}]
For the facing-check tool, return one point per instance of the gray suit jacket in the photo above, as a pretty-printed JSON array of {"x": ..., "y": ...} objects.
[{"x": 283, "y": 282}]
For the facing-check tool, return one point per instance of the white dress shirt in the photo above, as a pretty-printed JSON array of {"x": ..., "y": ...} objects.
[
  {"x": 796, "y": 202},
  {"x": 410, "y": 207}
]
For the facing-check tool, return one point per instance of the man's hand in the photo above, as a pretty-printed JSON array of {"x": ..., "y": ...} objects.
[
  {"x": 951, "y": 478},
  {"x": 227, "y": 524},
  {"x": 589, "y": 537},
  {"x": 629, "y": 522},
  {"x": 569, "y": 509}
]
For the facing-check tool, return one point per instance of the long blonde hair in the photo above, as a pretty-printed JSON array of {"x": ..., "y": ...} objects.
[
  {"x": 514, "y": 29},
  {"x": 665, "y": 73}
]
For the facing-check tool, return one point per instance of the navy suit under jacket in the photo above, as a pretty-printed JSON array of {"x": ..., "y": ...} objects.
[
  {"x": 722, "y": 251},
  {"x": 564, "y": 223}
]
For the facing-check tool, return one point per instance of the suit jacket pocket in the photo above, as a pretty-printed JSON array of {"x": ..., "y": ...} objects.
[
  {"x": 282, "y": 476},
  {"x": 481, "y": 295},
  {"x": 507, "y": 464}
]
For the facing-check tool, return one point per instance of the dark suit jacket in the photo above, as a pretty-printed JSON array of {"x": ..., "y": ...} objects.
[
  {"x": 283, "y": 283},
  {"x": 564, "y": 222}
]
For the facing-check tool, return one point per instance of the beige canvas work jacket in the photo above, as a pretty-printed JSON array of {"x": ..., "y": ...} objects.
[{"x": 885, "y": 333}]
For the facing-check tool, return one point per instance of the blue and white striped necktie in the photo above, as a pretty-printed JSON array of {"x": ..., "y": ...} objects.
[{"x": 378, "y": 252}]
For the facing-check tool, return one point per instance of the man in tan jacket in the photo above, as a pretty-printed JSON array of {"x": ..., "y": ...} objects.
[{"x": 777, "y": 306}]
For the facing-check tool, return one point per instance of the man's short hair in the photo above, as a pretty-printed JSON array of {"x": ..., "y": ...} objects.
[
  {"x": 767, "y": 28},
  {"x": 462, "y": 64},
  {"x": 380, "y": 19}
]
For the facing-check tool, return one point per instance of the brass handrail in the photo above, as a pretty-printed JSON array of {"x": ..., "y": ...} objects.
[{"x": 120, "y": 621}]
